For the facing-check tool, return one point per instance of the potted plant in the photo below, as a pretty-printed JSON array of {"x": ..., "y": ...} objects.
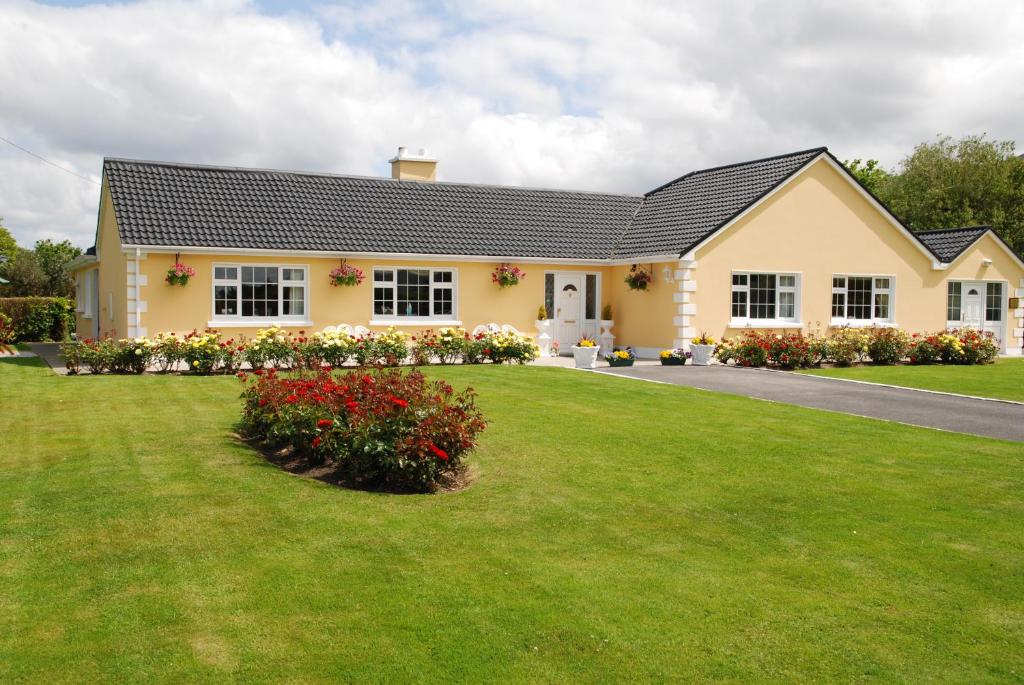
[
  {"x": 676, "y": 357},
  {"x": 346, "y": 275},
  {"x": 624, "y": 357},
  {"x": 638, "y": 278},
  {"x": 543, "y": 330},
  {"x": 702, "y": 348},
  {"x": 507, "y": 275},
  {"x": 584, "y": 352},
  {"x": 179, "y": 274}
]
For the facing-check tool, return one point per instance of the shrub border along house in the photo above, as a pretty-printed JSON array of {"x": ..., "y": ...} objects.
[
  {"x": 208, "y": 352},
  {"x": 847, "y": 346}
]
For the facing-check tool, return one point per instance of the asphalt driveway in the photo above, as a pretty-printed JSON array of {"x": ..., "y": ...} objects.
[{"x": 946, "y": 412}]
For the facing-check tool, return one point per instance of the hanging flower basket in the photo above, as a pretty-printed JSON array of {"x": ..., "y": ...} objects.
[
  {"x": 346, "y": 274},
  {"x": 179, "y": 274},
  {"x": 638, "y": 278},
  {"x": 507, "y": 275}
]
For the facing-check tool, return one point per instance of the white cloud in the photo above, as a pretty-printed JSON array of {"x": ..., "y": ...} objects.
[{"x": 599, "y": 94}]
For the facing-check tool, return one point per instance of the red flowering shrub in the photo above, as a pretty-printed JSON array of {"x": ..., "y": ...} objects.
[
  {"x": 924, "y": 349},
  {"x": 382, "y": 430}
]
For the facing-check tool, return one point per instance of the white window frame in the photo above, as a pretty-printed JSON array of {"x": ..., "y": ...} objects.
[
  {"x": 90, "y": 284},
  {"x": 964, "y": 283},
  {"x": 874, "y": 321},
  {"x": 79, "y": 293},
  {"x": 796, "y": 321},
  {"x": 239, "y": 321},
  {"x": 402, "y": 320}
]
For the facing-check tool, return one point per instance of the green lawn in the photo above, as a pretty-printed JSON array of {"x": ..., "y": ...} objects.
[
  {"x": 617, "y": 531},
  {"x": 1002, "y": 380}
]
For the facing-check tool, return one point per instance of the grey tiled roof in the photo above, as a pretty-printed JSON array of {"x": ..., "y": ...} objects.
[
  {"x": 678, "y": 215},
  {"x": 949, "y": 243},
  {"x": 166, "y": 204},
  {"x": 169, "y": 204}
]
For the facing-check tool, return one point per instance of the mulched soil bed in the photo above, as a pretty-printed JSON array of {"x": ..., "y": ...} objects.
[{"x": 286, "y": 460}]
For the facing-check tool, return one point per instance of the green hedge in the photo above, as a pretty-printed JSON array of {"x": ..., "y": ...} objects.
[{"x": 39, "y": 319}]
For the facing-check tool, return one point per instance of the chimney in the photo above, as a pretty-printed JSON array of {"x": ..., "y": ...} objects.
[{"x": 410, "y": 165}]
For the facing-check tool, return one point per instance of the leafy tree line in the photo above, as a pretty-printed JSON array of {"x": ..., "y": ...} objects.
[
  {"x": 951, "y": 183},
  {"x": 43, "y": 270}
]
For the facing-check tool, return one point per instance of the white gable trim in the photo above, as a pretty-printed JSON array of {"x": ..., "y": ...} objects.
[
  {"x": 936, "y": 264},
  {"x": 999, "y": 241}
]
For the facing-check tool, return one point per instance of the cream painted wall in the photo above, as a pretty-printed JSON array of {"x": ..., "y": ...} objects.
[
  {"x": 643, "y": 318},
  {"x": 113, "y": 277},
  {"x": 820, "y": 225},
  {"x": 182, "y": 309}
]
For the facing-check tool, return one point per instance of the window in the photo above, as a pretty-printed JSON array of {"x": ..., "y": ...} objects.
[
  {"x": 259, "y": 292},
  {"x": 994, "y": 302},
  {"x": 549, "y": 295},
  {"x": 954, "y": 295},
  {"x": 764, "y": 297},
  {"x": 414, "y": 293},
  {"x": 90, "y": 284},
  {"x": 862, "y": 298},
  {"x": 590, "y": 305},
  {"x": 79, "y": 295}
]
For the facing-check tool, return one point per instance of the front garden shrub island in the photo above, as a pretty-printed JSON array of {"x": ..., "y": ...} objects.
[
  {"x": 386, "y": 429},
  {"x": 209, "y": 352},
  {"x": 847, "y": 346}
]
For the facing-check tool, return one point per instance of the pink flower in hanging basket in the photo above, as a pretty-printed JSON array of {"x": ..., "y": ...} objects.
[
  {"x": 507, "y": 275},
  {"x": 179, "y": 274},
  {"x": 638, "y": 278},
  {"x": 346, "y": 274}
]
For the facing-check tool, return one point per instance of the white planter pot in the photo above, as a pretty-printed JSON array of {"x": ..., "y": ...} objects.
[
  {"x": 586, "y": 357},
  {"x": 606, "y": 340},
  {"x": 701, "y": 354},
  {"x": 544, "y": 336}
]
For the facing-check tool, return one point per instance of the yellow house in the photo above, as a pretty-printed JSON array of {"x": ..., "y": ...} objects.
[{"x": 787, "y": 242}]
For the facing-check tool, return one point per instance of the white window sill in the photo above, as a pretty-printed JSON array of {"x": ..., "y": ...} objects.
[
  {"x": 764, "y": 323},
  {"x": 86, "y": 316},
  {"x": 844, "y": 323},
  {"x": 255, "y": 323},
  {"x": 414, "y": 322}
]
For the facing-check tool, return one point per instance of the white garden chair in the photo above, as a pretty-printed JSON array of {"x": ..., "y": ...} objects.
[
  {"x": 507, "y": 328},
  {"x": 331, "y": 329},
  {"x": 487, "y": 328}
]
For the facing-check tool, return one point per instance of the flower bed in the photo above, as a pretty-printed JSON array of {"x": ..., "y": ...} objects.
[
  {"x": 209, "y": 353},
  {"x": 388, "y": 430},
  {"x": 846, "y": 346}
]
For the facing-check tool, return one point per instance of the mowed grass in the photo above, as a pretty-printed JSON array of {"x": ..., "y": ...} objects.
[
  {"x": 1002, "y": 380},
  {"x": 616, "y": 531}
]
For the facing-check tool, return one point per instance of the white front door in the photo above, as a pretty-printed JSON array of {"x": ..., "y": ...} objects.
[
  {"x": 973, "y": 315},
  {"x": 984, "y": 308},
  {"x": 568, "y": 309}
]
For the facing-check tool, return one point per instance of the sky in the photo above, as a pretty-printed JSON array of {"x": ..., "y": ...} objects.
[{"x": 593, "y": 95}]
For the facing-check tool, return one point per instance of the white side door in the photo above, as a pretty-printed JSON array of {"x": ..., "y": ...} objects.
[{"x": 568, "y": 309}]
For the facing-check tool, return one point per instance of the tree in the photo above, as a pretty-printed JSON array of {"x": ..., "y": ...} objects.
[
  {"x": 25, "y": 274},
  {"x": 8, "y": 246},
  {"x": 966, "y": 182},
  {"x": 869, "y": 173},
  {"x": 54, "y": 258}
]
